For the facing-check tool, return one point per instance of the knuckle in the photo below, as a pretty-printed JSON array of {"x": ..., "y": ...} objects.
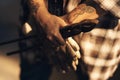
[{"x": 49, "y": 37}]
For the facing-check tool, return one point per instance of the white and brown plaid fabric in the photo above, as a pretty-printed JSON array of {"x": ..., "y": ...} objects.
[
  {"x": 111, "y": 5},
  {"x": 100, "y": 48},
  {"x": 100, "y": 52}
]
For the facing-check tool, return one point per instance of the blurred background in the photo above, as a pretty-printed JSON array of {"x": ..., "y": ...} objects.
[
  {"x": 10, "y": 65},
  {"x": 9, "y": 23}
]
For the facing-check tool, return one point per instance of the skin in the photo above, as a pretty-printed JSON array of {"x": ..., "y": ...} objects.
[
  {"x": 49, "y": 23},
  {"x": 80, "y": 13}
]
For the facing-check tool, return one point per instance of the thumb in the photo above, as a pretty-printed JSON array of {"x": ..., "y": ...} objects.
[
  {"x": 60, "y": 39},
  {"x": 63, "y": 23}
]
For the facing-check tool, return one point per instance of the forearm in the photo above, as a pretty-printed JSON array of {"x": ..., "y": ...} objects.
[
  {"x": 80, "y": 13},
  {"x": 38, "y": 9}
]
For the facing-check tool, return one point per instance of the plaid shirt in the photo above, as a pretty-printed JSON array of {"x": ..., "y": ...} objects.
[
  {"x": 111, "y": 5},
  {"x": 100, "y": 52},
  {"x": 100, "y": 48}
]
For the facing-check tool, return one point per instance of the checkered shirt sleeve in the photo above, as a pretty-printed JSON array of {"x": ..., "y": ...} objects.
[
  {"x": 100, "y": 50},
  {"x": 111, "y": 5}
]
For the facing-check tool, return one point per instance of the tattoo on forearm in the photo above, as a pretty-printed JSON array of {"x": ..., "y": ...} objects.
[
  {"x": 80, "y": 10},
  {"x": 89, "y": 9}
]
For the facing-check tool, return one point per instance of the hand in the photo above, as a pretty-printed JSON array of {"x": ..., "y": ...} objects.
[
  {"x": 73, "y": 50},
  {"x": 51, "y": 26},
  {"x": 49, "y": 23}
]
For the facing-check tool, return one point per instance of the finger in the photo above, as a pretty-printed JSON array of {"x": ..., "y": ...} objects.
[
  {"x": 73, "y": 43},
  {"x": 55, "y": 39},
  {"x": 52, "y": 41},
  {"x": 70, "y": 50},
  {"x": 59, "y": 39},
  {"x": 76, "y": 62},
  {"x": 90, "y": 21},
  {"x": 74, "y": 54},
  {"x": 63, "y": 23},
  {"x": 78, "y": 54},
  {"x": 74, "y": 65}
]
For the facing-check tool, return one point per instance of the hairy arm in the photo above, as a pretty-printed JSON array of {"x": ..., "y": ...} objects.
[
  {"x": 38, "y": 9},
  {"x": 49, "y": 22}
]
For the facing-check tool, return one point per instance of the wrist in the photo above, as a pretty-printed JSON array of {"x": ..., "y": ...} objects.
[
  {"x": 42, "y": 17},
  {"x": 38, "y": 7}
]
